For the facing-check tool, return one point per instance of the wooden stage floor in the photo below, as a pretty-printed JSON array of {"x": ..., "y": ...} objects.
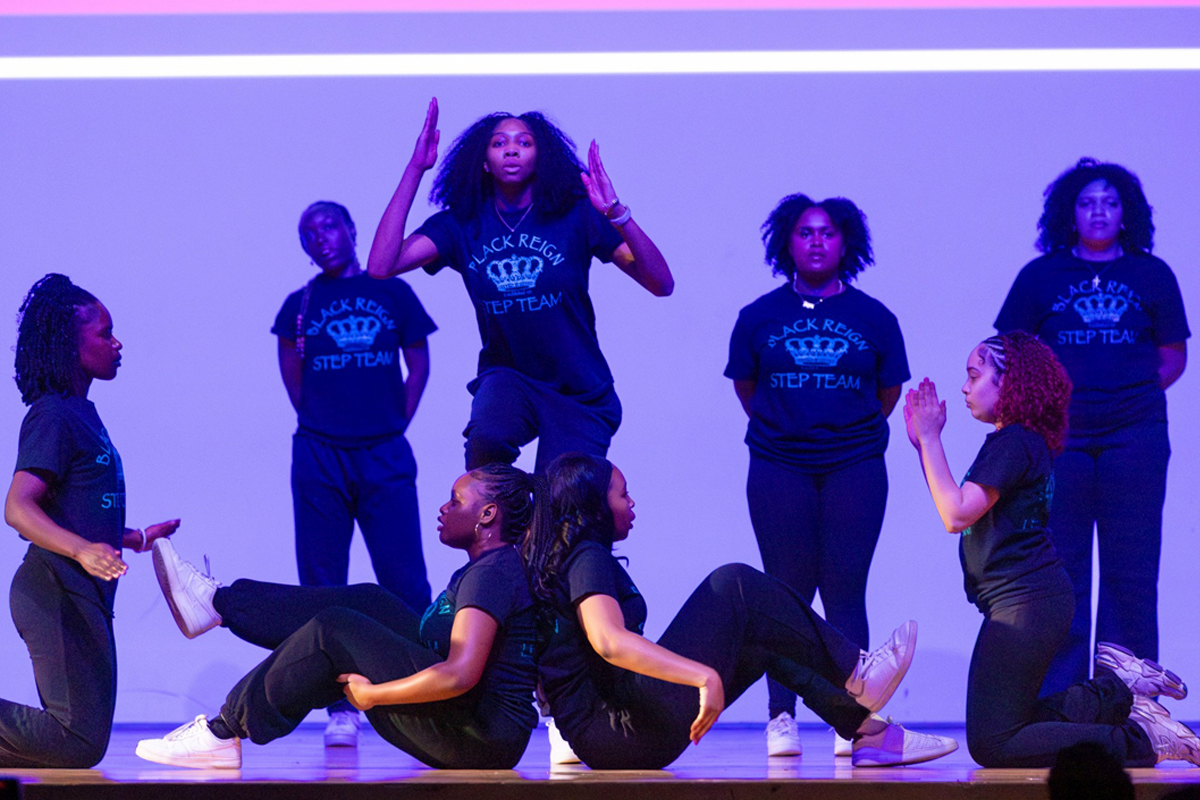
[{"x": 730, "y": 764}]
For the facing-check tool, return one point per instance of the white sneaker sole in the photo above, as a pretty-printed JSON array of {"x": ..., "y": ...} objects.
[
  {"x": 168, "y": 581},
  {"x": 873, "y": 757},
  {"x": 148, "y": 753}
]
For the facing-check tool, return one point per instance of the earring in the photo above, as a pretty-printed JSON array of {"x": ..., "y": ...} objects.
[{"x": 477, "y": 524}]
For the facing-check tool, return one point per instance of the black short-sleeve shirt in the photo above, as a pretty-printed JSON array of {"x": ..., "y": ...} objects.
[
  {"x": 495, "y": 583},
  {"x": 529, "y": 287},
  {"x": 573, "y": 676},
  {"x": 1007, "y": 552},
  {"x": 64, "y": 442},
  {"x": 818, "y": 372},
  {"x": 1105, "y": 321},
  {"x": 352, "y": 390}
]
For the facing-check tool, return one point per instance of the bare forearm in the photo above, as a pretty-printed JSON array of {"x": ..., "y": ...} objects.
[
  {"x": 638, "y": 654},
  {"x": 947, "y": 495},
  {"x": 439, "y": 682},
  {"x": 386, "y": 247},
  {"x": 650, "y": 267},
  {"x": 1172, "y": 362},
  {"x": 414, "y": 387},
  {"x": 29, "y": 520}
]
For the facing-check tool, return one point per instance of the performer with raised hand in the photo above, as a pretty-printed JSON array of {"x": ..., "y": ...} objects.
[{"x": 522, "y": 220}]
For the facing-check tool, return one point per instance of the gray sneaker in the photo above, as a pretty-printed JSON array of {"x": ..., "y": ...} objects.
[
  {"x": 1172, "y": 740},
  {"x": 1141, "y": 675},
  {"x": 895, "y": 746},
  {"x": 189, "y": 593}
]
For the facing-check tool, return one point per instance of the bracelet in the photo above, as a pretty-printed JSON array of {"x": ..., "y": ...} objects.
[
  {"x": 142, "y": 546},
  {"x": 623, "y": 218}
]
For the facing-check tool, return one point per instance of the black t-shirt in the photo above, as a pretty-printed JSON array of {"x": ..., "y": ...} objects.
[
  {"x": 1007, "y": 552},
  {"x": 529, "y": 287},
  {"x": 63, "y": 442},
  {"x": 495, "y": 583},
  {"x": 352, "y": 390},
  {"x": 1106, "y": 332},
  {"x": 573, "y": 676},
  {"x": 818, "y": 373}
]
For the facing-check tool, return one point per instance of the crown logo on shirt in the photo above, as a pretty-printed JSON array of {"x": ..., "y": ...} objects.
[
  {"x": 817, "y": 350},
  {"x": 1101, "y": 308},
  {"x": 515, "y": 272},
  {"x": 354, "y": 333}
]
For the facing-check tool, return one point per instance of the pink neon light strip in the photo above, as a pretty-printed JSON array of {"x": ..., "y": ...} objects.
[{"x": 58, "y": 7}]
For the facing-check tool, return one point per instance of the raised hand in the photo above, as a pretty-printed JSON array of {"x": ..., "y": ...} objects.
[
  {"x": 712, "y": 703},
  {"x": 599, "y": 187},
  {"x": 425, "y": 153},
  {"x": 101, "y": 560},
  {"x": 924, "y": 412},
  {"x": 356, "y": 689}
]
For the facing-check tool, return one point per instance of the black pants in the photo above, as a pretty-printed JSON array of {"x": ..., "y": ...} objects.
[
  {"x": 1008, "y": 726},
  {"x": 509, "y": 411},
  {"x": 69, "y": 633},
  {"x": 1114, "y": 484},
  {"x": 743, "y": 624},
  {"x": 318, "y": 633},
  {"x": 818, "y": 531},
  {"x": 334, "y": 486}
]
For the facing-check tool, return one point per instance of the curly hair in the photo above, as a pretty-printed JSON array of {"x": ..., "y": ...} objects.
[
  {"x": 1035, "y": 390},
  {"x": 48, "y": 337},
  {"x": 579, "y": 504},
  {"x": 524, "y": 499},
  {"x": 849, "y": 219},
  {"x": 463, "y": 187},
  {"x": 326, "y": 205},
  {"x": 1057, "y": 224}
]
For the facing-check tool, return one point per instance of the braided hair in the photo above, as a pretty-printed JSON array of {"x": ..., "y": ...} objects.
[
  {"x": 579, "y": 500},
  {"x": 48, "y": 337},
  {"x": 523, "y": 499},
  {"x": 1035, "y": 390}
]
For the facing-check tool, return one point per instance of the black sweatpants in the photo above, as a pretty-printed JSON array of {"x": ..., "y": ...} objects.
[
  {"x": 1008, "y": 726},
  {"x": 69, "y": 633},
  {"x": 818, "y": 531},
  {"x": 743, "y": 624},
  {"x": 362, "y": 629}
]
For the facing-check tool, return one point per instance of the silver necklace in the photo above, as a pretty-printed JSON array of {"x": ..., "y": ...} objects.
[
  {"x": 809, "y": 304},
  {"x": 1096, "y": 273},
  {"x": 512, "y": 228}
]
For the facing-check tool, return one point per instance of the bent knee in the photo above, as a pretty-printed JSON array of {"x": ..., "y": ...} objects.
[{"x": 732, "y": 577}]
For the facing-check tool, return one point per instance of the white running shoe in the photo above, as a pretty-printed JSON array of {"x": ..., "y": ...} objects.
[
  {"x": 895, "y": 746},
  {"x": 1172, "y": 740},
  {"x": 342, "y": 729},
  {"x": 880, "y": 671},
  {"x": 193, "y": 745},
  {"x": 842, "y": 748},
  {"x": 1141, "y": 675},
  {"x": 560, "y": 748},
  {"x": 783, "y": 736},
  {"x": 189, "y": 594}
]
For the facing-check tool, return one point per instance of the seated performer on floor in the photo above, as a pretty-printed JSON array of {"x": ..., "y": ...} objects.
[
  {"x": 453, "y": 689},
  {"x": 624, "y": 702},
  {"x": 1015, "y": 577}
]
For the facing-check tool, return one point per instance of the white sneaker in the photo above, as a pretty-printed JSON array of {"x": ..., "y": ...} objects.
[
  {"x": 1141, "y": 675},
  {"x": 783, "y": 736},
  {"x": 895, "y": 746},
  {"x": 560, "y": 748},
  {"x": 193, "y": 745},
  {"x": 880, "y": 671},
  {"x": 842, "y": 748},
  {"x": 189, "y": 594},
  {"x": 342, "y": 729},
  {"x": 1172, "y": 740}
]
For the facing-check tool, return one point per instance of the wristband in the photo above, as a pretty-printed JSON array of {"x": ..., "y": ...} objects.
[
  {"x": 624, "y": 217},
  {"x": 142, "y": 547}
]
